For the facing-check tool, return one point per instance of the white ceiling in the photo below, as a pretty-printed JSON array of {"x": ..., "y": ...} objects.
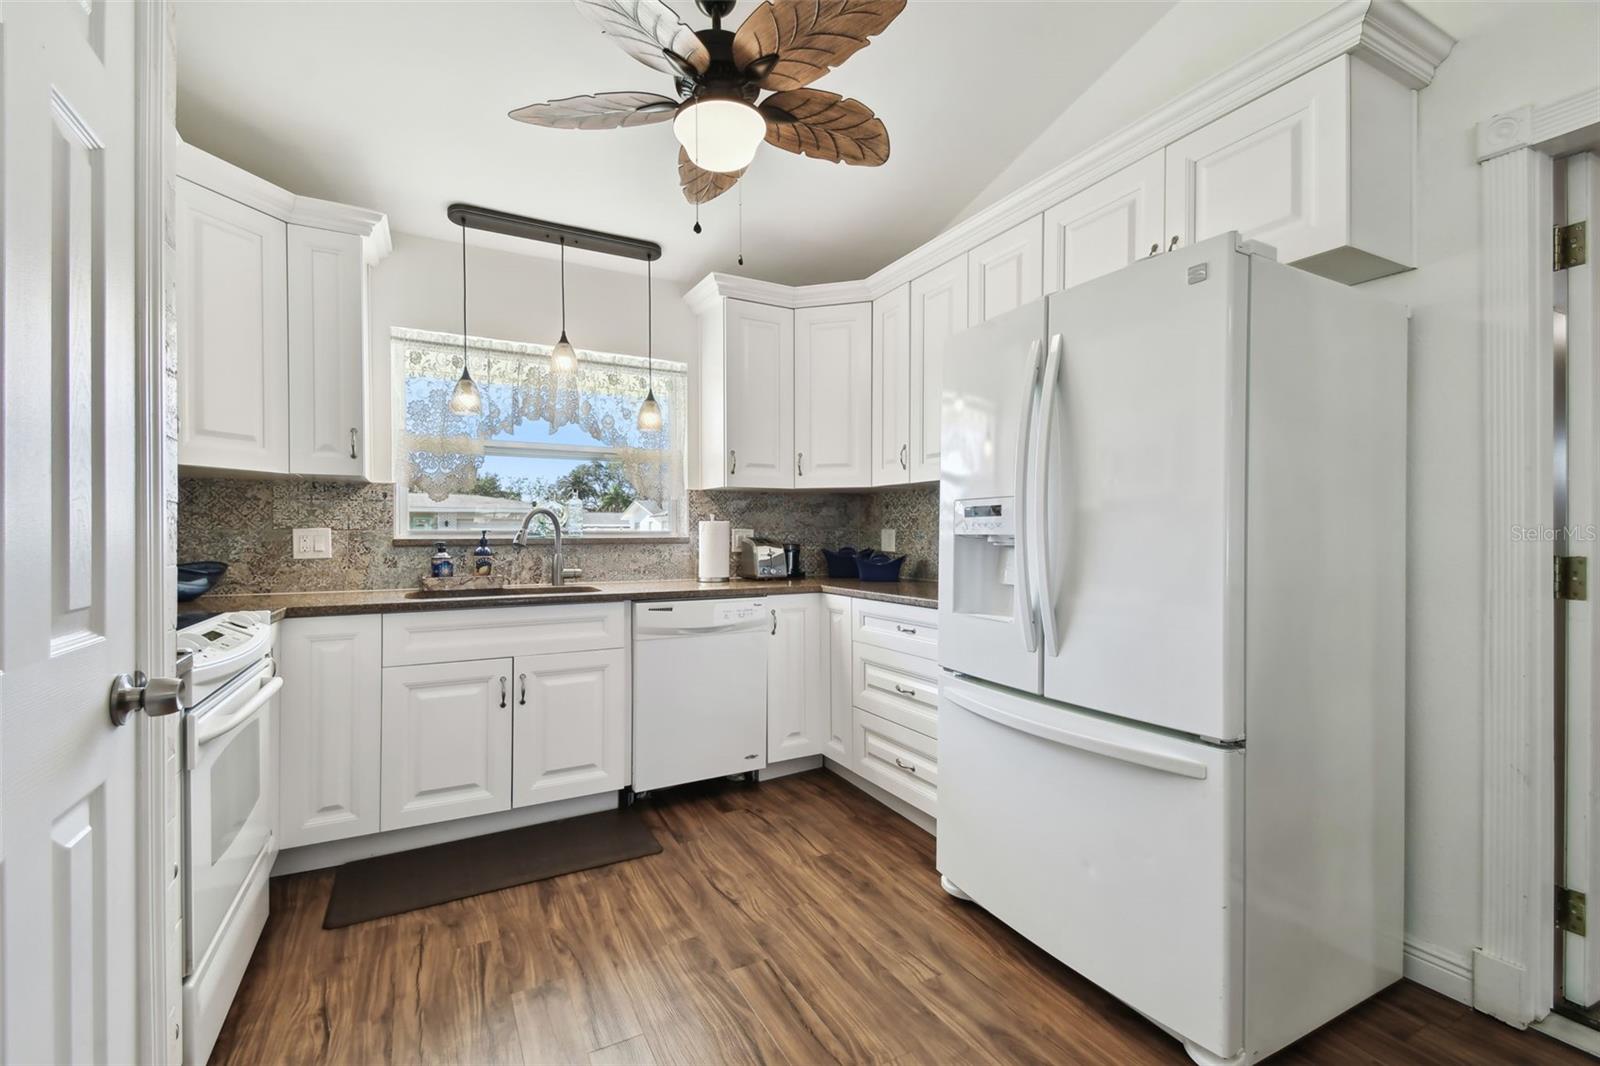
[{"x": 402, "y": 107}]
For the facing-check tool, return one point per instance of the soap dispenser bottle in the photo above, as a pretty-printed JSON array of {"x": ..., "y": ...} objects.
[
  {"x": 483, "y": 556},
  {"x": 442, "y": 566}
]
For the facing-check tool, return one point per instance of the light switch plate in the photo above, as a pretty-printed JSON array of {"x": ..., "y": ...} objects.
[
  {"x": 886, "y": 540},
  {"x": 313, "y": 544}
]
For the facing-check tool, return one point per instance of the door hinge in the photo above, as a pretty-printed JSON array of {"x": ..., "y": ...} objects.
[
  {"x": 1571, "y": 245},
  {"x": 1572, "y": 911},
  {"x": 1571, "y": 577}
]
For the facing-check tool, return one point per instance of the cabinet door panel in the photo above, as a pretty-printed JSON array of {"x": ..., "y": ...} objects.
[
  {"x": 327, "y": 353},
  {"x": 446, "y": 741},
  {"x": 938, "y": 312},
  {"x": 891, "y": 388},
  {"x": 571, "y": 726},
  {"x": 1006, "y": 271},
  {"x": 838, "y": 741},
  {"x": 760, "y": 396},
  {"x": 833, "y": 396},
  {"x": 1106, "y": 226},
  {"x": 329, "y": 728},
  {"x": 796, "y": 700},
  {"x": 233, "y": 356}
]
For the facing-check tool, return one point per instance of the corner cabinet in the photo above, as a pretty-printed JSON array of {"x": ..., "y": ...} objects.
[
  {"x": 833, "y": 396},
  {"x": 938, "y": 312},
  {"x": 797, "y": 696},
  {"x": 272, "y": 325}
]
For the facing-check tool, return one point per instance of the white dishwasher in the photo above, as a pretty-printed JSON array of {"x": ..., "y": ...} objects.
[{"x": 699, "y": 690}]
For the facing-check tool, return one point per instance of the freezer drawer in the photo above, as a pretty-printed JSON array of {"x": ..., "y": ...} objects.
[{"x": 1116, "y": 849}]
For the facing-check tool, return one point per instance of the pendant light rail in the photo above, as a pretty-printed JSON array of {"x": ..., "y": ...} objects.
[{"x": 536, "y": 229}]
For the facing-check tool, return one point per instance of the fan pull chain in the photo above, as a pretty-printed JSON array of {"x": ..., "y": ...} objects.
[
  {"x": 697, "y": 216},
  {"x": 697, "y": 155},
  {"x": 740, "y": 191}
]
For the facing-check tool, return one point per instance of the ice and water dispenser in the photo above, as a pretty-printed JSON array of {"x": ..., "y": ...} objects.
[{"x": 984, "y": 571}]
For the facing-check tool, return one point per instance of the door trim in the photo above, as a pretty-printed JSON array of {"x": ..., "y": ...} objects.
[
  {"x": 1513, "y": 962},
  {"x": 160, "y": 987}
]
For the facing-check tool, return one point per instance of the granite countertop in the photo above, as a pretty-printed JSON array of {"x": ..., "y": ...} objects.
[{"x": 383, "y": 601}]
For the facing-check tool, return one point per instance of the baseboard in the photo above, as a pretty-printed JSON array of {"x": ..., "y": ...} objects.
[
  {"x": 791, "y": 766},
  {"x": 922, "y": 821},
  {"x": 1439, "y": 969},
  {"x": 339, "y": 852}
]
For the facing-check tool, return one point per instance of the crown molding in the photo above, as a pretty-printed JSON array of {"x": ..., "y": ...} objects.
[
  {"x": 713, "y": 287},
  {"x": 1386, "y": 34},
  {"x": 236, "y": 183}
]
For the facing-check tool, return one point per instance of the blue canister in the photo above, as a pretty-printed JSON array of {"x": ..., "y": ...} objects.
[{"x": 442, "y": 566}]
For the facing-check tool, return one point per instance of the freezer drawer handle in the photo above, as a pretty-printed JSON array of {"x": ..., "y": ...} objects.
[
  {"x": 904, "y": 765},
  {"x": 1154, "y": 760}
]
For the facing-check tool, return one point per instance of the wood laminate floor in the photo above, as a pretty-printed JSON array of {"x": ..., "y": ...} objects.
[{"x": 797, "y": 921}]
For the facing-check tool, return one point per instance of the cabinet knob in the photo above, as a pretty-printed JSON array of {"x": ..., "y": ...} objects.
[{"x": 774, "y": 623}]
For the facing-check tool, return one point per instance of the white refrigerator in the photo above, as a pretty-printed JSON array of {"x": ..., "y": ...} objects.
[{"x": 1171, "y": 726}]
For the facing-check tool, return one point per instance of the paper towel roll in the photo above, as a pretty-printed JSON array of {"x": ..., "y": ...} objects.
[{"x": 715, "y": 549}]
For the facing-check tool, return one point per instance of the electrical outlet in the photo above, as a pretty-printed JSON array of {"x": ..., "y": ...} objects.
[
  {"x": 742, "y": 535},
  {"x": 886, "y": 539},
  {"x": 313, "y": 543}
]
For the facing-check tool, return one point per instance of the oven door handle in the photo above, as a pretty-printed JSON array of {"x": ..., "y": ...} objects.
[{"x": 213, "y": 726}]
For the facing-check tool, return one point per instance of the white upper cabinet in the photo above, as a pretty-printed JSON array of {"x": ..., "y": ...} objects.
[
  {"x": 758, "y": 386},
  {"x": 1006, "y": 271},
  {"x": 233, "y": 320},
  {"x": 938, "y": 312},
  {"x": 272, "y": 324},
  {"x": 327, "y": 353},
  {"x": 1320, "y": 169},
  {"x": 891, "y": 388},
  {"x": 1106, "y": 226},
  {"x": 833, "y": 396}
]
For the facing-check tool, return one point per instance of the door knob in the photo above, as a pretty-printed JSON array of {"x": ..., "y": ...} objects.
[{"x": 155, "y": 696}]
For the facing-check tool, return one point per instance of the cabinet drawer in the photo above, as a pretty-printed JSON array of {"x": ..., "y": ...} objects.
[
  {"x": 500, "y": 632},
  {"x": 902, "y": 688},
  {"x": 897, "y": 627},
  {"x": 901, "y": 761}
]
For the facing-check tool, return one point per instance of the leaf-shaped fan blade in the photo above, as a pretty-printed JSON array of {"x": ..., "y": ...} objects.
[
  {"x": 647, "y": 30},
  {"x": 809, "y": 37},
  {"x": 825, "y": 125},
  {"x": 602, "y": 111},
  {"x": 700, "y": 186}
]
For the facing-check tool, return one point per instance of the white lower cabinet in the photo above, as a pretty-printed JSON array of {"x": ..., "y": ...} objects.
[
  {"x": 797, "y": 698},
  {"x": 901, "y": 761},
  {"x": 570, "y": 729},
  {"x": 902, "y": 688},
  {"x": 446, "y": 741},
  {"x": 838, "y": 742},
  {"x": 329, "y": 721}
]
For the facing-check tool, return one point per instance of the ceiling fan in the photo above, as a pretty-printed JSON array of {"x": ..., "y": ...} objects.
[{"x": 719, "y": 76}]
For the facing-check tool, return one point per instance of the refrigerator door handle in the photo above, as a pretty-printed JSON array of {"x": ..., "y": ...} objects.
[
  {"x": 1128, "y": 753},
  {"x": 1039, "y": 548},
  {"x": 1026, "y": 614}
]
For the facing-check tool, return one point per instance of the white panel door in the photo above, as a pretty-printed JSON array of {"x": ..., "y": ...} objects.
[
  {"x": 1106, "y": 226},
  {"x": 938, "y": 312},
  {"x": 70, "y": 902},
  {"x": 891, "y": 388},
  {"x": 760, "y": 395},
  {"x": 833, "y": 397},
  {"x": 797, "y": 699},
  {"x": 327, "y": 353},
  {"x": 570, "y": 731},
  {"x": 838, "y": 741},
  {"x": 233, "y": 347},
  {"x": 1275, "y": 170},
  {"x": 1006, "y": 271},
  {"x": 446, "y": 741},
  {"x": 1137, "y": 539},
  {"x": 330, "y": 727}
]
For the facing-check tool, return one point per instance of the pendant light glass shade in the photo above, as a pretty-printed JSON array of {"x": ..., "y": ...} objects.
[
  {"x": 650, "y": 413},
  {"x": 649, "y": 410},
  {"x": 563, "y": 357},
  {"x": 718, "y": 134},
  {"x": 464, "y": 399}
]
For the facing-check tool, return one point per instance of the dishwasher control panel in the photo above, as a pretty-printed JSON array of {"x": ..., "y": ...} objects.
[{"x": 739, "y": 611}]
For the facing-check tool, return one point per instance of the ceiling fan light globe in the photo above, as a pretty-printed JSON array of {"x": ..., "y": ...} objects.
[
  {"x": 563, "y": 357},
  {"x": 720, "y": 135}
]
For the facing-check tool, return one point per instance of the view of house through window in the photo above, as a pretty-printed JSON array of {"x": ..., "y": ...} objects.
[{"x": 573, "y": 445}]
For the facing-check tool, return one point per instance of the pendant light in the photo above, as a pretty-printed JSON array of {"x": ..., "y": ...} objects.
[
  {"x": 465, "y": 399},
  {"x": 649, "y": 410},
  {"x": 563, "y": 359}
]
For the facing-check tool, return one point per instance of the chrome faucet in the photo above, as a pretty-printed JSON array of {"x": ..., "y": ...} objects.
[{"x": 558, "y": 574}]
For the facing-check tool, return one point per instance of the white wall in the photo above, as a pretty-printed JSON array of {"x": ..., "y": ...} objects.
[{"x": 518, "y": 297}]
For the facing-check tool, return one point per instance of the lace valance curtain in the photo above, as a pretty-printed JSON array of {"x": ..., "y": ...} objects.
[{"x": 440, "y": 453}]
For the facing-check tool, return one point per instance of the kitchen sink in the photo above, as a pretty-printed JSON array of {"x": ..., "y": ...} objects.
[{"x": 504, "y": 590}]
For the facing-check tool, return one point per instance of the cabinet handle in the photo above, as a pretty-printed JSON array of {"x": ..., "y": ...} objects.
[
  {"x": 903, "y": 690},
  {"x": 909, "y": 631},
  {"x": 1155, "y": 250},
  {"x": 522, "y": 680},
  {"x": 774, "y": 623},
  {"x": 799, "y": 470},
  {"x": 1174, "y": 243},
  {"x": 733, "y": 462},
  {"x": 907, "y": 767},
  {"x": 352, "y": 442},
  {"x": 502, "y": 692},
  {"x": 903, "y": 456}
]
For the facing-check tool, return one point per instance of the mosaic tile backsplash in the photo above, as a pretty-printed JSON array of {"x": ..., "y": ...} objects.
[{"x": 246, "y": 523}]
